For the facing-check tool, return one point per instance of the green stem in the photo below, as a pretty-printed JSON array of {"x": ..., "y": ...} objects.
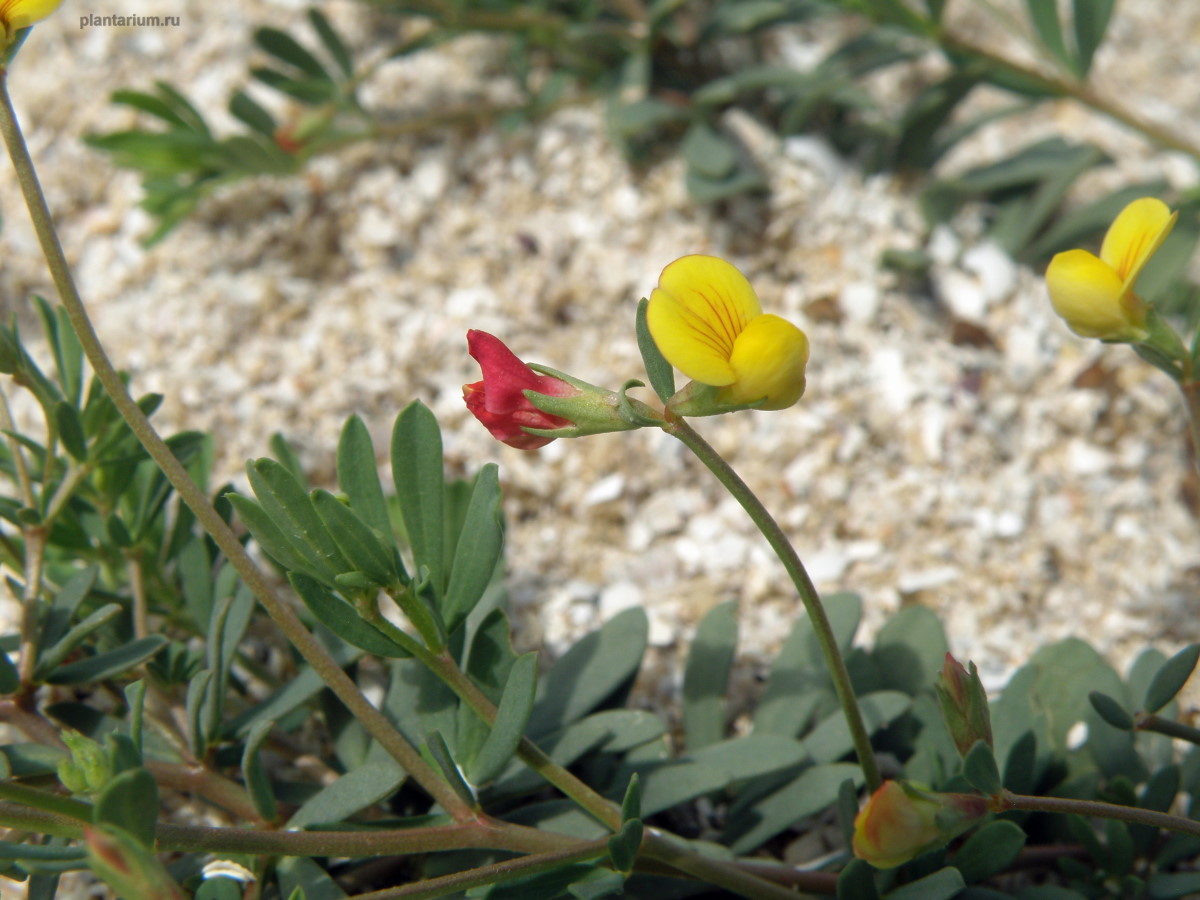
[
  {"x": 1007, "y": 800},
  {"x": 657, "y": 845},
  {"x": 1169, "y": 727},
  {"x": 42, "y": 803},
  {"x": 1191, "y": 396},
  {"x": 35, "y": 555},
  {"x": 289, "y": 623},
  {"x": 770, "y": 529},
  {"x": 493, "y": 874},
  {"x": 216, "y": 789},
  {"x": 475, "y": 834},
  {"x": 1078, "y": 91}
]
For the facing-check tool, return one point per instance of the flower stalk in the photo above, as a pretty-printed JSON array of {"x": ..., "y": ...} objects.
[{"x": 762, "y": 518}]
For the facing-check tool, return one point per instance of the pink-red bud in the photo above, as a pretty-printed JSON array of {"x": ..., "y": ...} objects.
[
  {"x": 499, "y": 401},
  {"x": 964, "y": 705}
]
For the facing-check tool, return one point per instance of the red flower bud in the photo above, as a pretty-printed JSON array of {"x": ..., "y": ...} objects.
[{"x": 499, "y": 401}]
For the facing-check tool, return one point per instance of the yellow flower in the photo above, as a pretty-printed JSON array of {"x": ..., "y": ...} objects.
[
  {"x": 900, "y": 822},
  {"x": 18, "y": 14},
  {"x": 1095, "y": 295},
  {"x": 894, "y": 827},
  {"x": 706, "y": 320}
]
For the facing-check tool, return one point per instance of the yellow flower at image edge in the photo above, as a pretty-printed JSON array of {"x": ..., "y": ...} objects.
[
  {"x": 18, "y": 14},
  {"x": 1094, "y": 295},
  {"x": 707, "y": 322}
]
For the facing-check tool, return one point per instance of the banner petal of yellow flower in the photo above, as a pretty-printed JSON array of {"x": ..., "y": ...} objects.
[
  {"x": 1135, "y": 235},
  {"x": 696, "y": 313}
]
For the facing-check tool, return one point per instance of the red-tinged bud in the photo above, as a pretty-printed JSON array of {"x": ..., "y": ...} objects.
[
  {"x": 528, "y": 409},
  {"x": 964, "y": 705},
  {"x": 900, "y": 822},
  {"x": 499, "y": 401}
]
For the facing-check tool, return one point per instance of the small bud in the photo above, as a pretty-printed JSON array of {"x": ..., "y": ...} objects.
[
  {"x": 964, "y": 705},
  {"x": 900, "y": 822},
  {"x": 88, "y": 768},
  {"x": 527, "y": 409}
]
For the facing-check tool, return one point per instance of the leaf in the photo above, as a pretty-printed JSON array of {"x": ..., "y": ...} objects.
[
  {"x": 1020, "y": 766},
  {"x": 857, "y": 882},
  {"x": 1048, "y": 695},
  {"x": 589, "y": 672},
  {"x": 357, "y": 470},
  {"x": 641, "y": 118},
  {"x": 799, "y": 687},
  {"x": 1111, "y": 711},
  {"x": 333, "y": 43},
  {"x": 182, "y": 107},
  {"x": 745, "y": 179},
  {"x": 148, "y": 103},
  {"x": 1043, "y": 16},
  {"x": 343, "y": 619},
  {"x": 1091, "y": 22},
  {"x": 478, "y": 549},
  {"x": 197, "y": 699},
  {"x": 296, "y": 873},
  {"x": 941, "y": 885},
  {"x": 9, "y": 679},
  {"x": 624, "y": 845},
  {"x": 66, "y": 600},
  {"x": 284, "y": 47},
  {"x": 420, "y": 488},
  {"x": 597, "y": 883},
  {"x": 511, "y": 718},
  {"x": 362, "y": 547},
  {"x": 244, "y": 108},
  {"x": 830, "y": 740},
  {"x": 1167, "y": 885},
  {"x": 288, "y": 505},
  {"x": 708, "y": 152},
  {"x": 815, "y": 790},
  {"x": 436, "y": 745},
  {"x": 351, "y": 793},
  {"x": 110, "y": 664},
  {"x": 706, "y": 676},
  {"x": 1171, "y": 678},
  {"x": 130, "y": 802},
  {"x": 262, "y": 794},
  {"x": 273, "y": 540},
  {"x": 980, "y": 769},
  {"x": 51, "y": 658},
  {"x": 659, "y": 371},
  {"x": 911, "y": 648}
]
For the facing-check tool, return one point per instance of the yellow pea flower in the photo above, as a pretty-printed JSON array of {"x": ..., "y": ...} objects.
[
  {"x": 707, "y": 321},
  {"x": 18, "y": 14},
  {"x": 1094, "y": 295},
  {"x": 901, "y": 821}
]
